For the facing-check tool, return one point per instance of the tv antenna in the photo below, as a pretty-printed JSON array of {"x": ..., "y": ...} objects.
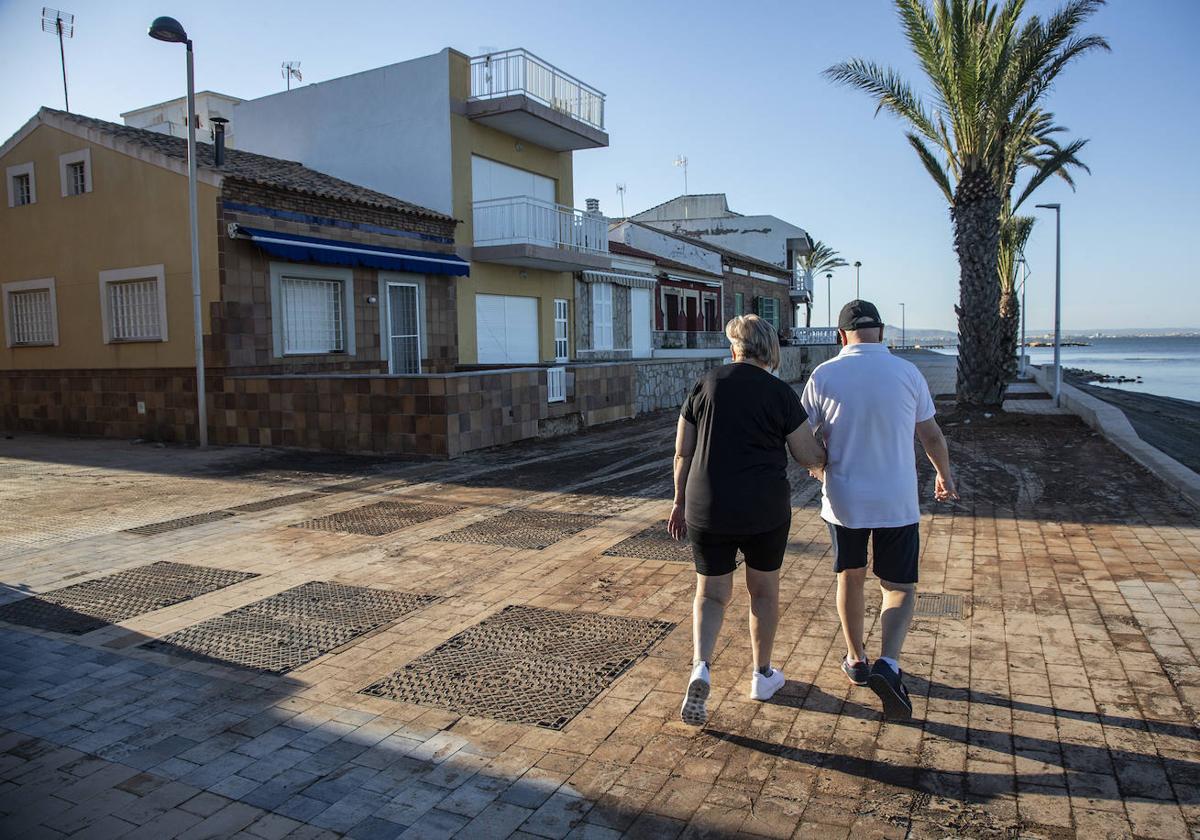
[
  {"x": 683, "y": 161},
  {"x": 291, "y": 70},
  {"x": 61, "y": 24},
  {"x": 621, "y": 193}
]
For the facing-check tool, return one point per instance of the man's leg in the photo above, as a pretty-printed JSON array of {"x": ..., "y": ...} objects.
[
  {"x": 899, "y": 600},
  {"x": 896, "y": 552},
  {"x": 851, "y": 606},
  {"x": 764, "y": 614},
  {"x": 713, "y": 593}
]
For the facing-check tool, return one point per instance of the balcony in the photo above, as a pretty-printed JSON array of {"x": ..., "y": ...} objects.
[
  {"x": 520, "y": 94},
  {"x": 532, "y": 233},
  {"x": 801, "y": 289}
]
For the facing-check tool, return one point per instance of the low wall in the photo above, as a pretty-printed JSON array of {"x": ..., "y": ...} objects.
[{"x": 796, "y": 363}]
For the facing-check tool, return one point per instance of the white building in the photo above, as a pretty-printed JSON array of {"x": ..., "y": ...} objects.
[{"x": 170, "y": 117}]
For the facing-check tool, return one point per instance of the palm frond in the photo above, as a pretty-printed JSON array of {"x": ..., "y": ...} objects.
[{"x": 933, "y": 166}]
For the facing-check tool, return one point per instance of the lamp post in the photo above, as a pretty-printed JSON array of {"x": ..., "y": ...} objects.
[
  {"x": 169, "y": 30},
  {"x": 1024, "y": 283},
  {"x": 828, "y": 299},
  {"x": 857, "y": 287},
  {"x": 1057, "y": 208},
  {"x": 903, "y": 328}
]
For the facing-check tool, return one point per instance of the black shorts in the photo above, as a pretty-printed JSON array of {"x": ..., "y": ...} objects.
[
  {"x": 716, "y": 554},
  {"x": 895, "y": 550}
]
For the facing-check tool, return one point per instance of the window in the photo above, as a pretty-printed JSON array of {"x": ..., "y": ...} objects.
[
  {"x": 671, "y": 305},
  {"x": 560, "y": 330},
  {"x": 22, "y": 187},
  {"x": 312, "y": 310},
  {"x": 491, "y": 179},
  {"x": 739, "y": 303},
  {"x": 75, "y": 172},
  {"x": 602, "y": 316},
  {"x": 768, "y": 310},
  {"x": 133, "y": 304},
  {"x": 30, "y": 313}
]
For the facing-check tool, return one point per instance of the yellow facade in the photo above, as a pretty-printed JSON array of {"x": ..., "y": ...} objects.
[
  {"x": 135, "y": 215},
  {"x": 469, "y": 138}
]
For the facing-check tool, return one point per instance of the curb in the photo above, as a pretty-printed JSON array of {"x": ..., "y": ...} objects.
[{"x": 1112, "y": 423}]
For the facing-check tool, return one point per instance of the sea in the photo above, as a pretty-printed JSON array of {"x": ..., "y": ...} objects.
[{"x": 1169, "y": 366}]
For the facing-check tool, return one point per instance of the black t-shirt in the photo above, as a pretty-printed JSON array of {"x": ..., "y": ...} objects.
[{"x": 738, "y": 480}]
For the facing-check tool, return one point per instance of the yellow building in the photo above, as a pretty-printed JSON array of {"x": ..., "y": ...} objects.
[{"x": 488, "y": 140}]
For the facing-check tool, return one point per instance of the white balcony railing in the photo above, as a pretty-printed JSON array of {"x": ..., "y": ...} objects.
[
  {"x": 813, "y": 335},
  {"x": 519, "y": 71},
  {"x": 525, "y": 220}
]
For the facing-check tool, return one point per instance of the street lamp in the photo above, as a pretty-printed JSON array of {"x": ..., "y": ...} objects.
[
  {"x": 1024, "y": 283},
  {"x": 903, "y": 328},
  {"x": 828, "y": 298},
  {"x": 857, "y": 290},
  {"x": 1057, "y": 208},
  {"x": 169, "y": 30}
]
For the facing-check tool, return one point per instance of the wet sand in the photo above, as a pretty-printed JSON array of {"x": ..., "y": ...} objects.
[{"x": 1169, "y": 424}]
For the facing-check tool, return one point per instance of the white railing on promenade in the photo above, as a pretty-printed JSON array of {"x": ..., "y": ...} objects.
[
  {"x": 523, "y": 219},
  {"x": 519, "y": 71},
  {"x": 813, "y": 335},
  {"x": 556, "y": 384}
]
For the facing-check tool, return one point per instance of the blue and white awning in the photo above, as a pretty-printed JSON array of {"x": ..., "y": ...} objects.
[{"x": 311, "y": 249}]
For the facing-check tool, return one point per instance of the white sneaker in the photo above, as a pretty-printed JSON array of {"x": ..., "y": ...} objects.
[
  {"x": 764, "y": 688},
  {"x": 695, "y": 701}
]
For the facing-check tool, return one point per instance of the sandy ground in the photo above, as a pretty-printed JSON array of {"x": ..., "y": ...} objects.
[{"x": 1169, "y": 424}]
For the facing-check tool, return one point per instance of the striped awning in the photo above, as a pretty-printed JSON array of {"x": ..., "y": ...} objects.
[
  {"x": 312, "y": 249},
  {"x": 620, "y": 278}
]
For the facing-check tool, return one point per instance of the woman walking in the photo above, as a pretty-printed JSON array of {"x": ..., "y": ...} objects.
[{"x": 731, "y": 492}]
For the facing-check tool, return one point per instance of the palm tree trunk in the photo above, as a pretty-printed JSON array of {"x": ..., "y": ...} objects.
[
  {"x": 1010, "y": 331},
  {"x": 981, "y": 363}
]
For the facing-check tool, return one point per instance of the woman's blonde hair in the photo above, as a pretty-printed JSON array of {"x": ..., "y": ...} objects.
[{"x": 752, "y": 337}]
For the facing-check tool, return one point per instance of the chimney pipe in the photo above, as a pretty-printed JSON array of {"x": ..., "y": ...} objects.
[
  {"x": 218, "y": 140},
  {"x": 593, "y": 205}
]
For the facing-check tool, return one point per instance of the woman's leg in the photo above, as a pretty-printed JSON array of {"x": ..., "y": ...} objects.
[
  {"x": 764, "y": 613},
  {"x": 708, "y": 613}
]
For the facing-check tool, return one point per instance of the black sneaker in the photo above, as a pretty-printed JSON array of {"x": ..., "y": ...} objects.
[
  {"x": 856, "y": 672},
  {"x": 889, "y": 685}
]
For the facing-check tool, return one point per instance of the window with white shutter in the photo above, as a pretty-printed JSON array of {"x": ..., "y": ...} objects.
[
  {"x": 75, "y": 172},
  {"x": 602, "y": 316},
  {"x": 561, "y": 349},
  {"x": 22, "y": 186}
]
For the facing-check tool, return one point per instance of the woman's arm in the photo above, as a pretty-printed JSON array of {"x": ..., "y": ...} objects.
[
  {"x": 805, "y": 448},
  {"x": 685, "y": 447}
]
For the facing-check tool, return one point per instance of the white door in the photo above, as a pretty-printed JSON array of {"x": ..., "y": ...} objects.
[
  {"x": 404, "y": 330},
  {"x": 639, "y": 315},
  {"x": 506, "y": 329}
]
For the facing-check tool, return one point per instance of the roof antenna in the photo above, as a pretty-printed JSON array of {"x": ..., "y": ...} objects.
[
  {"x": 61, "y": 24},
  {"x": 290, "y": 70},
  {"x": 621, "y": 192},
  {"x": 682, "y": 161}
]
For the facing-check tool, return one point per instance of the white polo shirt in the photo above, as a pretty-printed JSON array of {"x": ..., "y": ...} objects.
[{"x": 864, "y": 404}]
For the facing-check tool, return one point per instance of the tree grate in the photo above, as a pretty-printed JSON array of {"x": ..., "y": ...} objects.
[
  {"x": 84, "y": 607},
  {"x": 533, "y": 529},
  {"x": 653, "y": 543},
  {"x": 176, "y": 524},
  {"x": 276, "y": 502},
  {"x": 377, "y": 519},
  {"x": 939, "y": 604},
  {"x": 291, "y": 628},
  {"x": 526, "y": 665}
]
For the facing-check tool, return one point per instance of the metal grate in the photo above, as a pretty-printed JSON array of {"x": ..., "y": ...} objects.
[
  {"x": 276, "y": 502},
  {"x": 939, "y": 604},
  {"x": 525, "y": 664},
  {"x": 176, "y": 524},
  {"x": 378, "y": 519},
  {"x": 133, "y": 310},
  {"x": 286, "y": 630},
  {"x": 32, "y": 318},
  {"x": 83, "y": 607},
  {"x": 524, "y": 529},
  {"x": 312, "y": 315},
  {"x": 653, "y": 543}
]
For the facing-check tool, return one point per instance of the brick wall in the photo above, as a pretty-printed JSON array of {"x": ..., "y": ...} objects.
[{"x": 751, "y": 288}]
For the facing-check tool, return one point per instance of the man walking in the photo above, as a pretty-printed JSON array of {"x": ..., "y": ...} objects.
[{"x": 864, "y": 405}]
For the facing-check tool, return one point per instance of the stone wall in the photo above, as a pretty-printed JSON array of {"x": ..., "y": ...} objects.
[
  {"x": 796, "y": 364},
  {"x": 664, "y": 383}
]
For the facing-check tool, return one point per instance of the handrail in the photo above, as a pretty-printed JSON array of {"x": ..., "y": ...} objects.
[{"x": 519, "y": 71}]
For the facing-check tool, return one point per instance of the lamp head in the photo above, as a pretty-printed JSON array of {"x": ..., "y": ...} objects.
[
  {"x": 1054, "y": 206},
  {"x": 857, "y": 264},
  {"x": 828, "y": 275},
  {"x": 168, "y": 29}
]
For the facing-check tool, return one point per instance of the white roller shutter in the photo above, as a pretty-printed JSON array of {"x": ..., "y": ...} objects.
[{"x": 506, "y": 328}]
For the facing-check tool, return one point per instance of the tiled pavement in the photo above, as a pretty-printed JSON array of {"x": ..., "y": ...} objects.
[{"x": 1064, "y": 703}]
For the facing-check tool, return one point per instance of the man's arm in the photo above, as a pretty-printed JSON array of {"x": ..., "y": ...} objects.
[
  {"x": 931, "y": 437},
  {"x": 805, "y": 448},
  {"x": 685, "y": 447}
]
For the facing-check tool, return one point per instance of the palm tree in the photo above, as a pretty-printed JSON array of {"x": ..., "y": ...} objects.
[
  {"x": 989, "y": 74},
  {"x": 819, "y": 260}
]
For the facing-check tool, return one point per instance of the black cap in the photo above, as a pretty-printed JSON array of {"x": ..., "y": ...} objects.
[{"x": 858, "y": 315}]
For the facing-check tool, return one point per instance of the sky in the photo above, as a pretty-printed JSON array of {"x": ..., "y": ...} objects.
[{"x": 737, "y": 88}]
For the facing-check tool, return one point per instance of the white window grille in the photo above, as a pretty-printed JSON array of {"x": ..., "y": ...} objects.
[
  {"x": 556, "y": 384},
  {"x": 133, "y": 311},
  {"x": 77, "y": 178},
  {"x": 312, "y": 316},
  {"x": 22, "y": 193},
  {"x": 602, "y": 316},
  {"x": 405, "y": 332},
  {"x": 560, "y": 330},
  {"x": 31, "y": 319}
]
